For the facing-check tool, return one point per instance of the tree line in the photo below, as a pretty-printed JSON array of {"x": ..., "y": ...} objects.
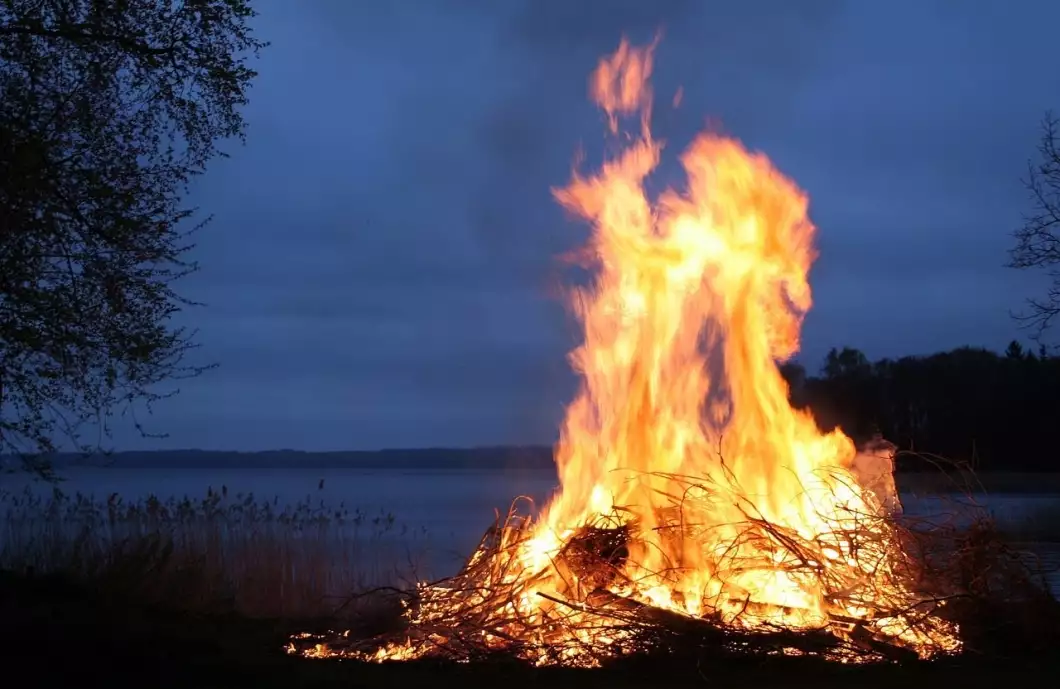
[{"x": 992, "y": 411}]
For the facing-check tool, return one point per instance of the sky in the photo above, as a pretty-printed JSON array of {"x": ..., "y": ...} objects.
[{"x": 381, "y": 266}]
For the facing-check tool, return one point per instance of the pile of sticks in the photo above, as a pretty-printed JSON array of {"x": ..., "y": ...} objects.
[{"x": 480, "y": 612}]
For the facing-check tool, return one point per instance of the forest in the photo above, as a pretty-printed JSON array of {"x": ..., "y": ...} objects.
[{"x": 993, "y": 412}]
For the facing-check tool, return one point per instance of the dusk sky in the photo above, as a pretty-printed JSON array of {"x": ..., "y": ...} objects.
[{"x": 379, "y": 271}]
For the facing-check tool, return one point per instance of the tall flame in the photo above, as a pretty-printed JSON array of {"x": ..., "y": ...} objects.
[
  {"x": 695, "y": 300},
  {"x": 735, "y": 507}
]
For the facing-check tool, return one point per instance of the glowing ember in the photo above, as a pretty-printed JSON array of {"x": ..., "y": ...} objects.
[{"x": 690, "y": 488}]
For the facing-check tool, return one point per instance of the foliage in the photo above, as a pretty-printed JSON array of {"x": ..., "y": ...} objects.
[
  {"x": 1038, "y": 241},
  {"x": 251, "y": 556},
  {"x": 994, "y": 412},
  {"x": 107, "y": 110}
]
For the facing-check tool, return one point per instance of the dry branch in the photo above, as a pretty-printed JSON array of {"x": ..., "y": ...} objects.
[{"x": 935, "y": 576}]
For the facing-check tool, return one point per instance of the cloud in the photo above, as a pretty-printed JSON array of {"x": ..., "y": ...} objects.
[{"x": 382, "y": 263}]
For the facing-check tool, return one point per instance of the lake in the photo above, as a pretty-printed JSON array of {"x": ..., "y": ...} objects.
[{"x": 452, "y": 507}]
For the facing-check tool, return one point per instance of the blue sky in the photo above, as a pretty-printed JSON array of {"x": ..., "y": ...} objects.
[{"x": 381, "y": 265}]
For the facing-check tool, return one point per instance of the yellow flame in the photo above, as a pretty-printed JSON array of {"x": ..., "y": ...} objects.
[
  {"x": 695, "y": 300},
  {"x": 682, "y": 431}
]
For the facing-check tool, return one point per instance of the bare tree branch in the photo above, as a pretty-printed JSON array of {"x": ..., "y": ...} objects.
[{"x": 1038, "y": 239}]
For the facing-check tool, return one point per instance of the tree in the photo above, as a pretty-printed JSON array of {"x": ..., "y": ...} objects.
[
  {"x": 1037, "y": 240},
  {"x": 846, "y": 363},
  {"x": 1015, "y": 350},
  {"x": 108, "y": 108}
]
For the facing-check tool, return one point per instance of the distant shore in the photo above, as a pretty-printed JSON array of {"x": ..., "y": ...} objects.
[
  {"x": 477, "y": 458},
  {"x": 506, "y": 459}
]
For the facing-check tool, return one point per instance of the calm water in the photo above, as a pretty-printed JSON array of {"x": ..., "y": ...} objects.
[
  {"x": 444, "y": 512},
  {"x": 453, "y": 507}
]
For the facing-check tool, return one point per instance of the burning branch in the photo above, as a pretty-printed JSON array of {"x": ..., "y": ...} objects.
[{"x": 698, "y": 510}]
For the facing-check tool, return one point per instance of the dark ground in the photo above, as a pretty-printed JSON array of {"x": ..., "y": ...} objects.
[{"x": 57, "y": 634}]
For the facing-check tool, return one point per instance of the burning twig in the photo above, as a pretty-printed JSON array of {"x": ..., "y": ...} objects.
[
  {"x": 743, "y": 528},
  {"x": 483, "y": 610}
]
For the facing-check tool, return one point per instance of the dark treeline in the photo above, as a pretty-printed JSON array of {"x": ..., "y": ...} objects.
[{"x": 992, "y": 411}]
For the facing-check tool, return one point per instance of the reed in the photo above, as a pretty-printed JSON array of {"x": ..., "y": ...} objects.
[{"x": 223, "y": 552}]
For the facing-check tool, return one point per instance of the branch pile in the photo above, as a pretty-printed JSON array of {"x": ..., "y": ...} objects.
[{"x": 938, "y": 578}]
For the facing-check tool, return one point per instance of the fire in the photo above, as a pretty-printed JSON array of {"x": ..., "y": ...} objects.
[
  {"x": 695, "y": 300},
  {"x": 689, "y": 486}
]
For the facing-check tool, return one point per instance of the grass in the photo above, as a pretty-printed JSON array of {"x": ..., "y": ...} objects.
[
  {"x": 222, "y": 552},
  {"x": 60, "y": 633},
  {"x": 205, "y": 593}
]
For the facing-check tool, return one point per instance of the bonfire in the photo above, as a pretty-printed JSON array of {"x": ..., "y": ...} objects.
[{"x": 693, "y": 499}]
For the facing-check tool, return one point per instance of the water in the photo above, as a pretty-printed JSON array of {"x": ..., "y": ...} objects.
[
  {"x": 453, "y": 507},
  {"x": 444, "y": 512}
]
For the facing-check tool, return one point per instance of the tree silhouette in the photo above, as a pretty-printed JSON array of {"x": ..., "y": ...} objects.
[
  {"x": 1037, "y": 240},
  {"x": 107, "y": 110},
  {"x": 968, "y": 404},
  {"x": 1015, "y": 350},
  {"x": 846, "y": 363}
]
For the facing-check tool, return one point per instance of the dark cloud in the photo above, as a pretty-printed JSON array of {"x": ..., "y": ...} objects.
[{"x": 381, "y": 269}]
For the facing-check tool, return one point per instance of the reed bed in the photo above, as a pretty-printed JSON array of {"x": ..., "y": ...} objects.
[{"x": 222, "y": 552}]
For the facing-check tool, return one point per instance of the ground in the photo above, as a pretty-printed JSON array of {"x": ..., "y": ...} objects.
[{"x": 57, "y": 634}]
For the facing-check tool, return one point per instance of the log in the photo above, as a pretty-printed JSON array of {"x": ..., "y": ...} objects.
[{"x": 597, "y": 555}]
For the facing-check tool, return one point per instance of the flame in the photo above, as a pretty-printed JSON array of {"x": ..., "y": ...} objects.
[
  {"x": 736, "y": 507},
  {"x": 696, "y": 298}
]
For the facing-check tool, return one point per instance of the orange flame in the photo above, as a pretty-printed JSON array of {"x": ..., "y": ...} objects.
[
  {"x": 695, "y": 300},
  {"x": 682, "y": 432}
]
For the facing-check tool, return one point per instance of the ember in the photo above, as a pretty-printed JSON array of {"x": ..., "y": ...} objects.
[{"x": 694, "y": 500}]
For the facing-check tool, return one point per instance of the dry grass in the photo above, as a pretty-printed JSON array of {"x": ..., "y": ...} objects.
[
  {"x": 223, "y": 552},
  {"x": 920, "y": 577}
]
